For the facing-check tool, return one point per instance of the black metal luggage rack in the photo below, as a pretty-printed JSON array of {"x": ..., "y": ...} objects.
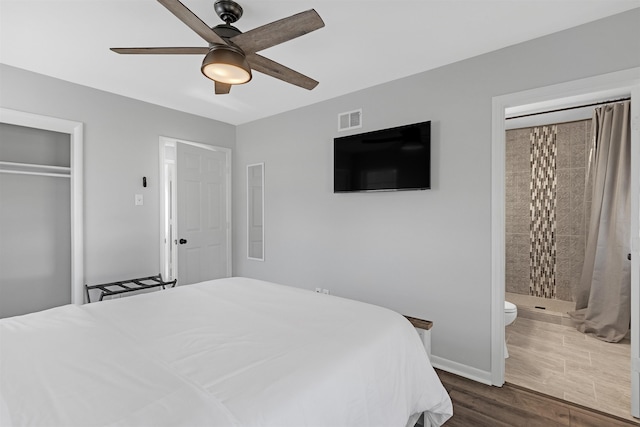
[{"x": 131, "y": 285}]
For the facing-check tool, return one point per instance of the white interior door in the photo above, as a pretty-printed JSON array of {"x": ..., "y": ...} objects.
[{"x": 203, "y": 221}]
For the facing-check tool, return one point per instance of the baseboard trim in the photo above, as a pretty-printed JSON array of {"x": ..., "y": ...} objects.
[{"x": 465, "y": 371}]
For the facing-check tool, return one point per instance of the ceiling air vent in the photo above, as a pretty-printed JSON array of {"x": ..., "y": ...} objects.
[{"x": 350, "y": 120}]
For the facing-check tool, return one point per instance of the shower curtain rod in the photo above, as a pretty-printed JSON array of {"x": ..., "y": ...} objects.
[{"x": 570, "y": 108}]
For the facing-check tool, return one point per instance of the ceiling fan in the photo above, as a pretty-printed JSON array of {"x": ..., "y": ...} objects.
[{"x": 231, "y": 54}]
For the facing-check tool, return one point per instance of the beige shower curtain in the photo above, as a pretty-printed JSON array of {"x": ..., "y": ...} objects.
[{"x": 603, "y": 298}]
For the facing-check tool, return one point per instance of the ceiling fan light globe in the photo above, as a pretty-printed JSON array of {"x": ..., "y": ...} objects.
[
  {"x": 225, "y": 73},
  {"x": 226, "y": 65}
]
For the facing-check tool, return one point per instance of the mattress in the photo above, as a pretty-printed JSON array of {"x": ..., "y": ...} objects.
[{"x": 227, "y": 352}]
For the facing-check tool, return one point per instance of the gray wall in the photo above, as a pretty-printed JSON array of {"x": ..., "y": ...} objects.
[
  {"x": 121, "y": 145},
  {"x": 423, "y": 253}
]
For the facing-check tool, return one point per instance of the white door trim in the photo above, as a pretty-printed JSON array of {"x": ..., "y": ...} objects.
[
  {"x": 168, "y": 141},
  {"x": 75, "y": 131},
  {"x": 612, "y": 85},
  {"x": 635, "y": 250}
]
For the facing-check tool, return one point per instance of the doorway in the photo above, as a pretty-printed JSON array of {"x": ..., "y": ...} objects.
[
  {"x": 74, "y": 180},
  {"x": 609, "y": 86},
  {"x": 547, "y": 212},
  {"x": 195, "y": 211}
]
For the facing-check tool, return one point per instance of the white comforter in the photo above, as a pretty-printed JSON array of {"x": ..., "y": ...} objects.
[{"x": 228, "y": 352}]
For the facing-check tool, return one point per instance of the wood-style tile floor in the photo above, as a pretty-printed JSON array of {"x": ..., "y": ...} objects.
[
  {"x": 480, "y": 405},
  {"x": 560, "y": 361}
]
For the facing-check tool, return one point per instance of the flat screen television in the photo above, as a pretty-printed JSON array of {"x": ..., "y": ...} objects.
[{"x": 385, "y": 160}]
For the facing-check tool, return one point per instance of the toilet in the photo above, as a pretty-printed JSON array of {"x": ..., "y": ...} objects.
[{"x": 510, "y": 314}]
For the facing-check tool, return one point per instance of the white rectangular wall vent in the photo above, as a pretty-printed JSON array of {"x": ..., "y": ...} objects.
[{"x": 350, "y": 120}]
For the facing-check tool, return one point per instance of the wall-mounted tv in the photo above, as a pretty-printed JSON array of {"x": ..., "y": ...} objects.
[{"x": 385, "y": 160}]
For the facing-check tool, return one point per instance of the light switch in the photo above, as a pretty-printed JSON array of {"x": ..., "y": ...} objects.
[{"x": 139, "y": 200}]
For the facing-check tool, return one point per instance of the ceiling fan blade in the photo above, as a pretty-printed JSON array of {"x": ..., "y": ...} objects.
[
  {"x": 222, "y": 88},
  {"x": 278, "y": 31},
  {"x": 279, "y": 71},
  {"x": 162, "y": 50},
  {"x": 192, "y": 21}
]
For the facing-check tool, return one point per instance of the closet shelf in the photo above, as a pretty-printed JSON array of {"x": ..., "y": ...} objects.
[{"x": 35, "y": 169}]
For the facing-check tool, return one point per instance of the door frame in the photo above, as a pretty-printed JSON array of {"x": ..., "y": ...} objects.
[
  {"x": 612, "y": 85},
  {"x": 76, "y": 135},
  {"x": 168, "y": 162}
]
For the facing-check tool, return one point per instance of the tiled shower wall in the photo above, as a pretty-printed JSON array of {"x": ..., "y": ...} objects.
[{"x": 546, "y": 208}]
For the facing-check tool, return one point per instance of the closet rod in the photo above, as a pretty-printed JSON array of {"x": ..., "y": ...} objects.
[
  {"x": 570, "y": 108},
  {"x": 35, "y": 166},
  {"x": 56, "y": 175}
]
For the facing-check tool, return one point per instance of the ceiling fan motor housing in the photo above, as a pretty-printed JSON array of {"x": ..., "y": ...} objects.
[{"x": 226, "y": 31}]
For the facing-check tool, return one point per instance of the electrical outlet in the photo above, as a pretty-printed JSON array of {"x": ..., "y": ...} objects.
[
  {"x": 319, "y": 290},
  {"x": 325, "y": 291}
]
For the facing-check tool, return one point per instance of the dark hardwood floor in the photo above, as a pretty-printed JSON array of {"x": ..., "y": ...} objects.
[{"x": 479, "y": 405}]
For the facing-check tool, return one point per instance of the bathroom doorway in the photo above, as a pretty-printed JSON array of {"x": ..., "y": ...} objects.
[
  {"x": 548, "y": 206},
  {"x": 540, "y": 329}
]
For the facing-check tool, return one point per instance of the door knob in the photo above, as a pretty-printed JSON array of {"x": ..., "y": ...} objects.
[{"x": 183, "y": 241}]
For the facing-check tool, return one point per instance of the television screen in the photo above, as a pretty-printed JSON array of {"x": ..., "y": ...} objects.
[{"x": 386, "y": 160}]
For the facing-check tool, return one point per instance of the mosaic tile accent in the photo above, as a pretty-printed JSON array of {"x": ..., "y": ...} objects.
[{"x": 542, "y": 253}]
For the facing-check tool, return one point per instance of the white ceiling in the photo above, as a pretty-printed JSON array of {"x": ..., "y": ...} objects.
[{"x": 364, "y": 43}]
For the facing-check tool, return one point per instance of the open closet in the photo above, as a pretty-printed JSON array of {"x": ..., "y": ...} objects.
[{"x": 40, "y": 213}]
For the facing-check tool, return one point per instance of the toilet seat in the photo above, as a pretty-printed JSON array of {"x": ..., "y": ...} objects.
[{"x": 510, "y": 307}]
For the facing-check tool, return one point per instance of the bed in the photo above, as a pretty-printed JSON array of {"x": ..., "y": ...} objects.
[{"x": 227, "y": 352}]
